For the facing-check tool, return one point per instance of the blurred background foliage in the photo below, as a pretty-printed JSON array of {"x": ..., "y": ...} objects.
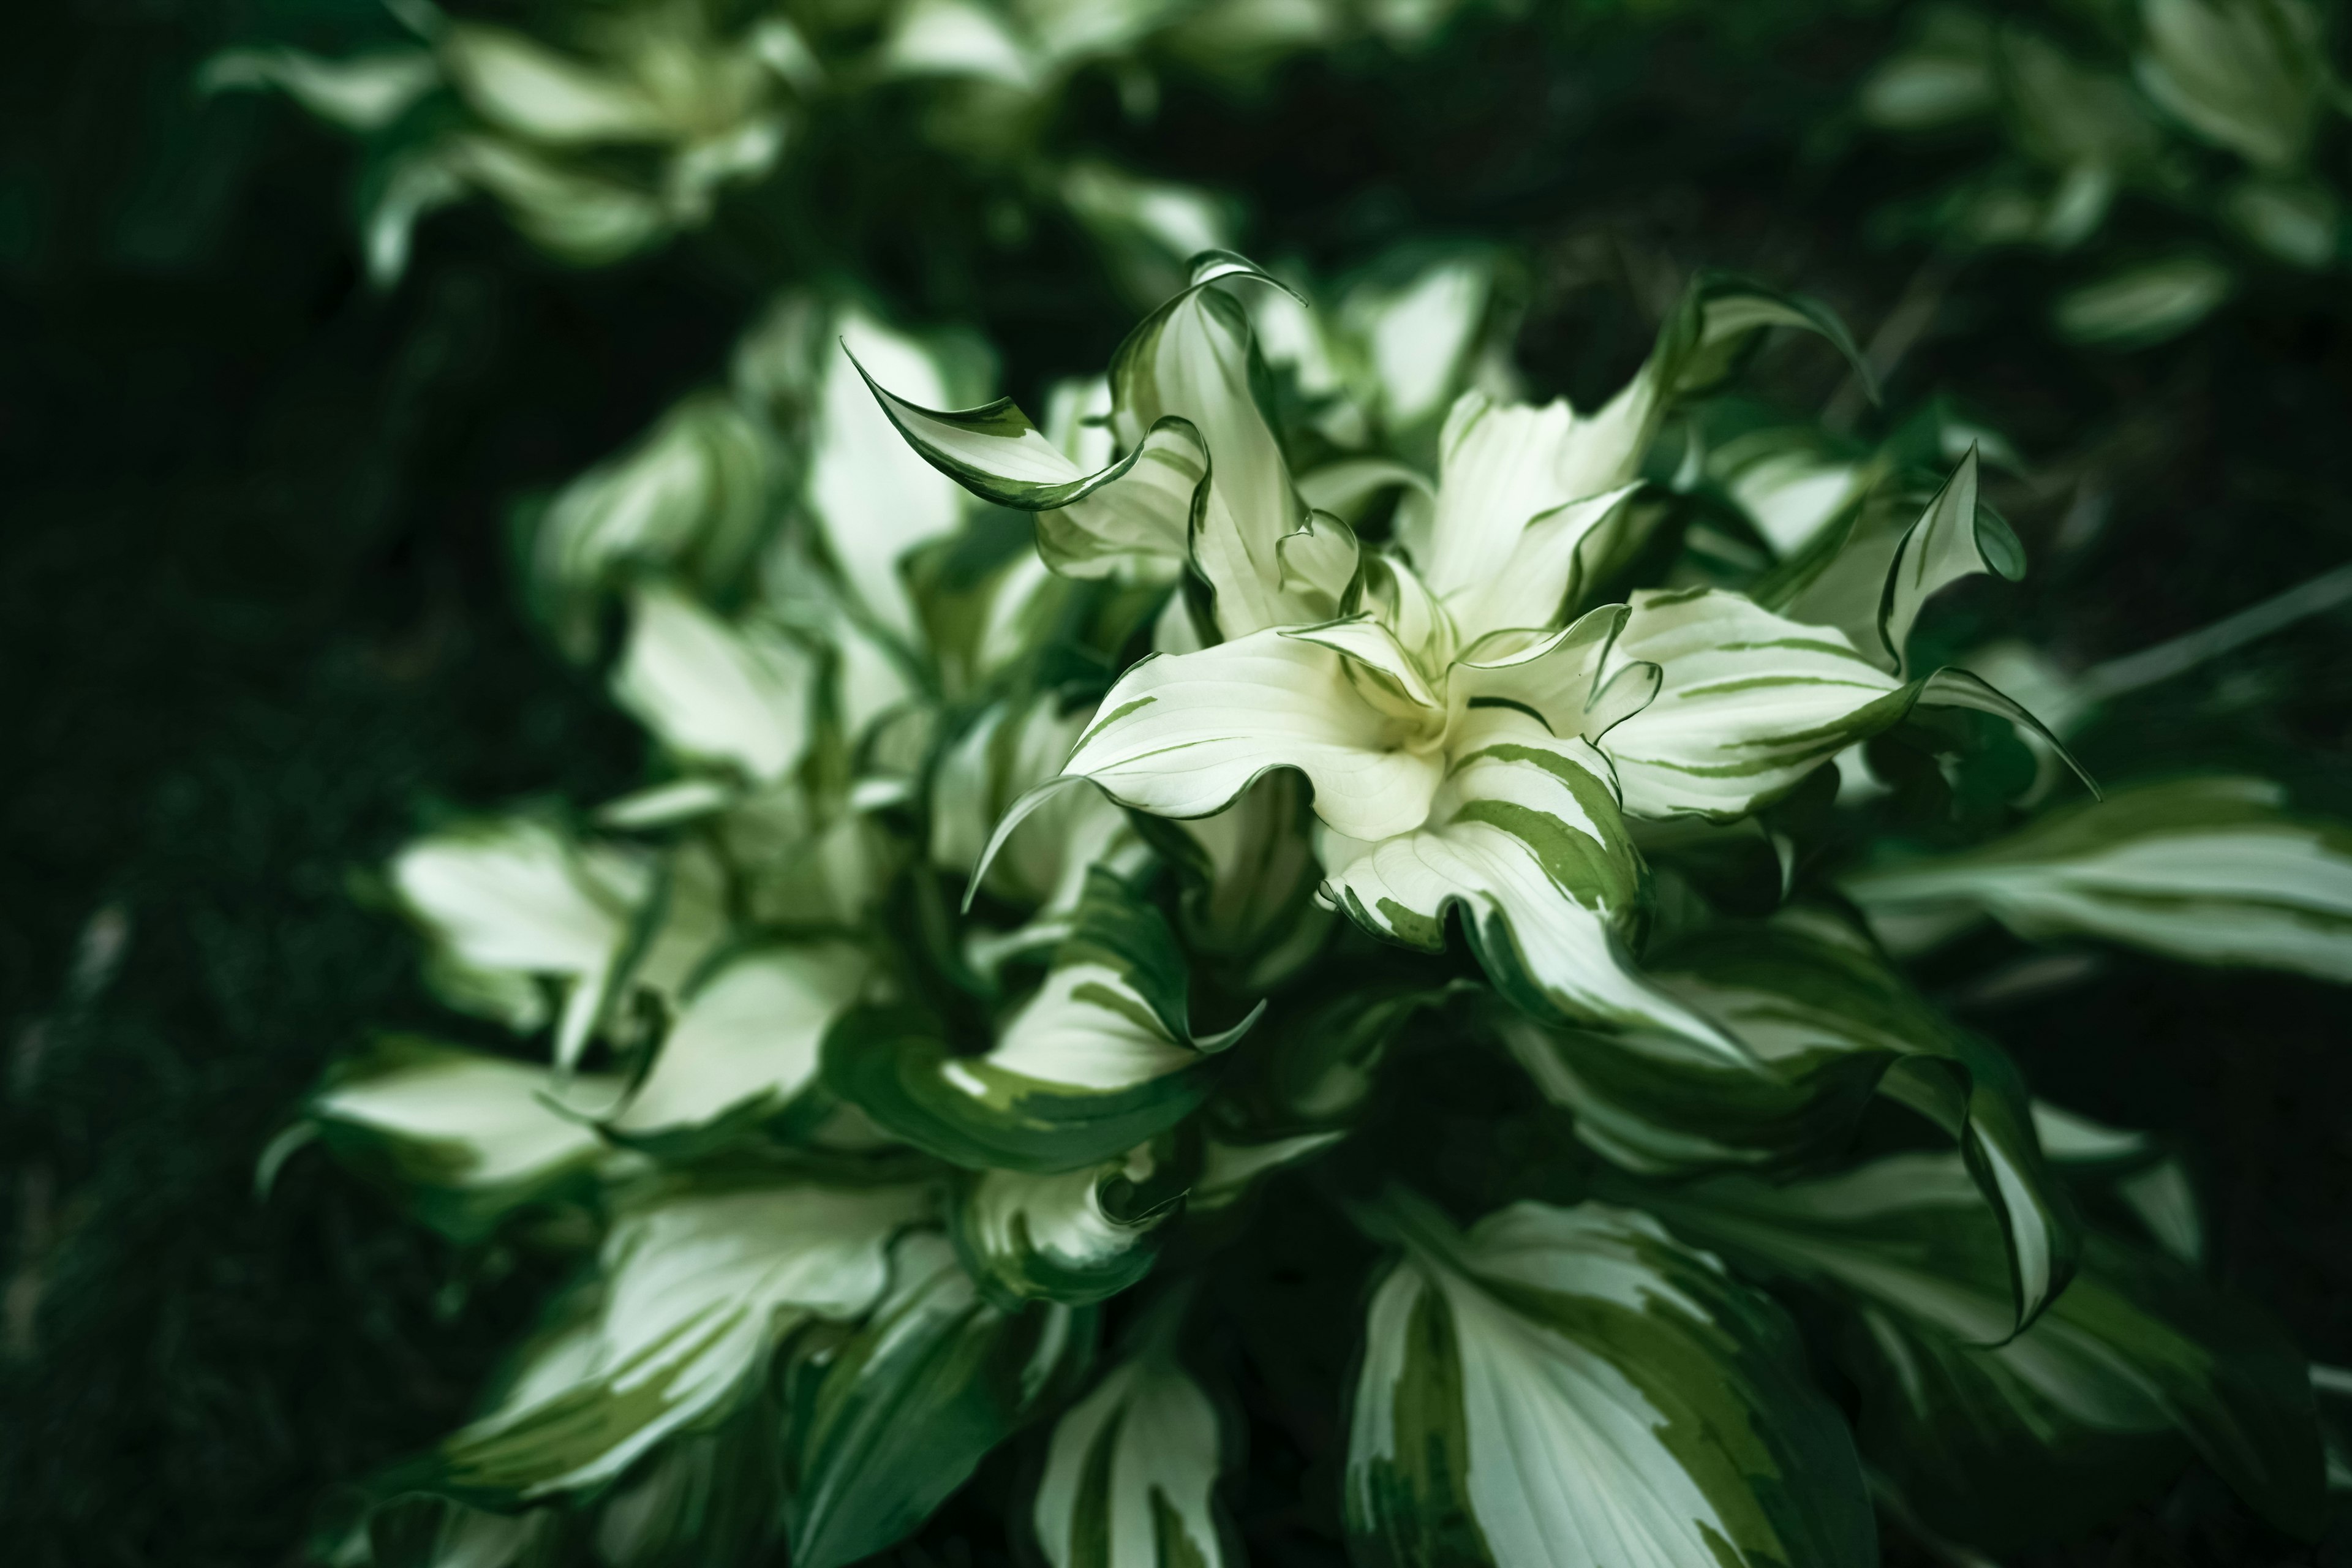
[{"x": 260, "y": 461}]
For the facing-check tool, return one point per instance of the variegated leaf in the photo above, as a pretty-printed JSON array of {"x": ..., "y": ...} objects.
[
  {"x": 2136, "y": 1347},
  {"x": 1956, "y": 537},
  {"x": 1100, "y": 1058},
  {"x": 1824, "y": 1023},
  {"x": 463, "y": 1137},
  {"x": 1184, "y": 736},
  {"x": 1131, "y": 1473},
  {"x": 1132, "y": 514},
  {"x": 516, "y": 896},
  {"x": 1074, "y": 1235},
  {"x": 745, "y": 1047},
  {"x": 695, "y": 1287},
  {"x": 1520, "y": 487},
  {"x": 889, "y": 1422},
  {"x": 2213, "y": 870},
  {"x": 1525, "y": 835},
  {"x": 1567, "y": 1387},
  {"x": 1190, "y": 359},
  {"x": 1008, "y": 750},
  {"x": 1749, "y": 703}
]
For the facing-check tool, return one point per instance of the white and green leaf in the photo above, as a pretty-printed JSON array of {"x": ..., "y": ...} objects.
[
  {"x": 2213, "y": 871},
  {"x": 517, "y": 896},
  {"x": 1824, "y": 1024},
  {"x": 1190, "y": 359},
  {"x": 889, "y": 1422},
  {"x": 1075, "y": 1237},
  {"x": 1100, "y": 1058},
  {"x": 2136, "y": 1346},
  {"x": 692, "y": 496},
  {"x": 740, "y": 697},
  {"x": 465, "y": 1137},
  {"x": 1184, "y": 736},
  {"x": 695, "y": 1289},
  {"x": 1133, "y": 513},
  {"x": 1525, "y": 836},
  {"x": 1749, "y": 702},
  {"x": 1131, "y": 1473},
  {"x": 745, "y": 1047},
  {"x": 1563, "y": 1387}
]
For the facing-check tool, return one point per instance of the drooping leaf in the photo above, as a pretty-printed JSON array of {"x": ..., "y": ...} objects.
[
  {"x": 1131, "y": 1473},
  {"x": 464, "y": 1138},
  {"x": 1571, "y": 1386},
  {"x": 2138, "y": 1346},
  {"x": 876, "y": 500},
  {"x": 695, "y": 1287},
  {"x": 2213, "y": 870},
  {"x": 1824, "y": 1023},
  {"x": 1134, "y": 513},
  {"x": 890, "y": 1421}
]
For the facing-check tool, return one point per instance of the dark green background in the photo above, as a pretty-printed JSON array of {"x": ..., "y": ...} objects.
[{"x": 257, "y": 617}]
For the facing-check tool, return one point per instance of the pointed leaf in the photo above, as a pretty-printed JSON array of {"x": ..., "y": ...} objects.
[
  {"x": 1749, "y": 703},
  {"x": 1955, "y": 538},
  {"x": 1190, "y": 359},
  {"x": 1136, "y": 511},
  {"x": 696, "y": 1285}
]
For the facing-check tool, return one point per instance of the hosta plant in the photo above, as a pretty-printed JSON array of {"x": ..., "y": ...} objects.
[{"x": 1165, "y": 970}]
